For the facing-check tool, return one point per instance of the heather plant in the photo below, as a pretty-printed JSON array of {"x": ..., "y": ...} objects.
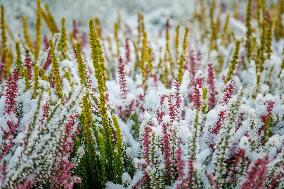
[{"x": 168, "y": 104}]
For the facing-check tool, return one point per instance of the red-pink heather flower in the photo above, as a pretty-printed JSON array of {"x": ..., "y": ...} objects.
[
  {"x": 235, "y": 162},
  {"x": 166, "y": 150},
  {"x": 147, "y": 141},
  {"x": 29, "y": 65},
  {"x": 75, "y": 31},
  {"x": 212, "y": 181},
  {"x": 160, "y": 114},
  {"x": 182, "y": 181},
  {"x": 264, "y": 118},
  {"x": 11, "y": 93},
  {"x": 229, "y": 91},
  {"x": 141, "y": 181},
  {"x": 276, "y": 178},
  {"x": 47, "y": 61},
  {"x": 127, "y": 51},
  {"x": 45, "y": 110},
  {"x": 122, "y": 79},
  {"x": 196, "y": 95},
  {"x": 45, "y": 42},
  {"x": 211, "y": 85},
  {"x": 84, "y": 39},
  {"x": 177, "y": 97},
  {"x": 193, "y": 66},
  {"x": 172, "y": 108},
  {"x": 219, "y": 123},
  {"x": 63, "y": 177},
  {"x": 27, "y": 184},
  {"x": 256, "y": 175},
  {"x": 10, "y": 129}
]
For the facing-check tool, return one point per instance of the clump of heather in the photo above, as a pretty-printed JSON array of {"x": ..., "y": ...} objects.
[{"x": 153, "y": 104}]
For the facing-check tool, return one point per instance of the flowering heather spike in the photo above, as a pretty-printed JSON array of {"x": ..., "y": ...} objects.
[
  {"x": 219, "y": 123},
  {"x": 116, "y": 37},
  {"x": 26, "y": 77},
  {"x": 266, "y": 119},
  {"x": 269, "y": 40},
  {"x": 225, "y": 32},
  {"x": 36, "y": 79},
  {"x": 27, "y": 37},
  {"x": 3, "y": 45},
  {"x": 234, "y": 62},
  {"x": 55, "y": 70},
  {"x": 211, "y": 84},
  {"x": 167, "y": 153},
  {"x": 197, "y": 91},
  {"x": 256, "y": 175},
  {"x": 193, "y": 66},
  {"x": 49, "y": 19},
  {"x": 98, "y": 59},
  {"x": 118, "y": 167},
  {"x": 28, "y": 65},
  {"x": 229, "y": 90},
  {"x": 38, "y": 30},
  {"x": 62, "y": 176},
  {"x": 182, "y": 181},
  {"x": 177, "y": 42},
  {"x": 11, "y": 93},
  {"x": 9, "y": 131},
  {"x": 249, "y": 31},
  {"x": 62, "y": 45},
  {"x": 182, "y": 57},
  {"x": 181, "y": 69},
  {"x": 122, "y": 79},
  {"x": 127, "y": 51},
  {"x": 81, "y": 65},
  {"x": 144, "y": 58},
  {"x": 3, "y": 29},
  {"x": 18, "y": 58},
  {"x": 45, "y": 113},
  {"x": 146, "y": 141},
  {"x": 98, "y": 27}
]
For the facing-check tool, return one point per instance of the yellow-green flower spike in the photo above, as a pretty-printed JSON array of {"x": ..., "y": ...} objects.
[
  {"x": 62, "y": 45},
  {"x": 55, "y": 70},
  {"x": 144, "y": 57},
  {"x": 185, "y": 41},
  {"x": 18, "y": 58},
  {"x": 249, "y": 31},
  {"x": 26, "y": 34},
  {"x": 47, "y": 16},
  {"x": 3, "y": 29},
  {"x": 182, "y": 58},
  {"x": 204, "y": 100},
  {"x": 4, "y": 47},
  {"x": 261, "y": 51},
  {"x": 36, "y": 76},
  {"x": 81, "y": 65},
  {"x": 269, "y": 41},
  {"x": 38, "y": 30},
  {"x": 116, "y": 37},
  {"x": 150, "y": 60},
  {"x": 26, "y": 77},
  {"x": 177, "y": 42},
  {"x": 98, "y": 59},
  {"x": 234, "y": 62},
  {"x": 225, "y": 33},
  {"x": 168, "y": 55},
  {"x": 98, "y": 27},
  {"x": 180, "y": 69}
]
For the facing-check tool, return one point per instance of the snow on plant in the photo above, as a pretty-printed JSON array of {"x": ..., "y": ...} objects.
[{"x": 195, "y": 105}]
